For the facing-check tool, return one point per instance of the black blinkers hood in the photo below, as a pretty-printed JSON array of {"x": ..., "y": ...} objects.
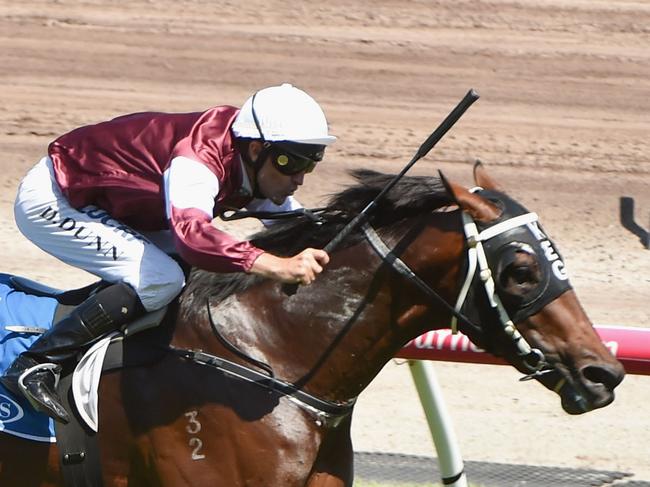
[{"x": 554, "y": 279}]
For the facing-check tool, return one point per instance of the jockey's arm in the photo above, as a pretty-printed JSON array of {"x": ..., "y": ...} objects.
[
  {"x": 190, "y": 192},
  {"x": 301, "y": 268}
]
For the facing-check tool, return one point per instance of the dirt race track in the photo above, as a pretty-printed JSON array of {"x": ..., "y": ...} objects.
[{"x": 563, "y": 122}]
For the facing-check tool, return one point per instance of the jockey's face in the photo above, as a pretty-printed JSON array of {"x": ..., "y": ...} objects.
[
  {"x": 272, "y": 183},
  {"x": 275, "y": 185}
]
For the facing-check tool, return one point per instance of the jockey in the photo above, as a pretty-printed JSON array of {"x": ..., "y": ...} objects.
[{"x": 118, "y": 197}]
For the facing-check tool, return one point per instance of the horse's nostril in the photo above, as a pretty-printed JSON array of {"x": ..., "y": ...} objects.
[{"x": 608, "y": 376}]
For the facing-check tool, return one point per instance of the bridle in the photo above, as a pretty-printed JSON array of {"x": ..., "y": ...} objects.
[
  {"x": 532, "y": 358},
  {"x": 477, "y": 258}
]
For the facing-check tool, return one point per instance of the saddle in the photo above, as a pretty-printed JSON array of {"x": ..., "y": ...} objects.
[
  {"x": 68, "y": 299},
  {"x": 77, "y": 440}
]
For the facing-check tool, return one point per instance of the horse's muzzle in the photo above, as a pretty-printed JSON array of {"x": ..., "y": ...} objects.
[{"x": 591, "y": 388}]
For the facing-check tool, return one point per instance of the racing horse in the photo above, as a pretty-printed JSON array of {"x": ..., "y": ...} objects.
[{"x": 256, "y": 387}]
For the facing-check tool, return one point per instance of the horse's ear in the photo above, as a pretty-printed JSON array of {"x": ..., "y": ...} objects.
[
  {"x": 479, "y": 208},
  {"x": 483, "y": 179}
]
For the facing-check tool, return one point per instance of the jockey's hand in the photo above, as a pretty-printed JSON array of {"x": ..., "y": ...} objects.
[{"x": 299, "y": 269}]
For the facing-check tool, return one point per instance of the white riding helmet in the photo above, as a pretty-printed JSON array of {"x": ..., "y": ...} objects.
[{"x": 284, "y": 113}]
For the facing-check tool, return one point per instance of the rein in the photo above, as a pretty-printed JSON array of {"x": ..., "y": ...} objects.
[
  {"x": 400, "y": 267},
  {"x": 311, "y": 214}
]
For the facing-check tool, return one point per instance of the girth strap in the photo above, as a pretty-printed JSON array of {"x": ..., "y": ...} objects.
[{"x": 77, "y": 445}]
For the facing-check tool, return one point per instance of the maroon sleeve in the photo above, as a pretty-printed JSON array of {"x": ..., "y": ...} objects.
[
  {"x": 203, "y": 171},
  {"x": 202, "y": 245}
]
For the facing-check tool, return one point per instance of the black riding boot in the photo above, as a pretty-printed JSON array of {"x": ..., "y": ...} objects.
[{"x": 36, "y": 371}]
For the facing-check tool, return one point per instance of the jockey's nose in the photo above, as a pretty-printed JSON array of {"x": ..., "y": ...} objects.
[{"x": 298, "y": 178}]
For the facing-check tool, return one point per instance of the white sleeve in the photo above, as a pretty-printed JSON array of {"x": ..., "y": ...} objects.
[
  {"x": 289, "y": 204},
  {"x": 190, "y": 184}
]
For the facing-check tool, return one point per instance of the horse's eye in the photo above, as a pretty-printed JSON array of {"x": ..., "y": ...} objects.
[
  {"x": 521, "y": 274},
  {"x": 518, "y": 272},
  {"x": 519, "y": 279}
]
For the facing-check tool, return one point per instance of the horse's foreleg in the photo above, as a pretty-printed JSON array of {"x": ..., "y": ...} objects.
[{"x": 334, "y": 464}]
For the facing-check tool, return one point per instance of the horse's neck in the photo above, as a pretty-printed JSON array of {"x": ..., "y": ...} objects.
[{"x": 331, "y": 337}]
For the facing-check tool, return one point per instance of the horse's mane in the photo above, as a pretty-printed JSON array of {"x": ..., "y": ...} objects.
[{"x": 411, "y": 196}]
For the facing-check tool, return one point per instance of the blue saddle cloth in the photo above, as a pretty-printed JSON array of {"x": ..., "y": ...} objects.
[{"x": 17, "y": 417}]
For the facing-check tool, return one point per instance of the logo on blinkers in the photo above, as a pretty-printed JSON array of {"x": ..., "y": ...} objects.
[
  {"x": 557, "y": 265},
  {"x": 10, "y": 410}
]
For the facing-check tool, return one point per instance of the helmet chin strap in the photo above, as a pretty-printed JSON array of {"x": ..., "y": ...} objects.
[
  {"x": 256, "y": 165},
  {"x": 261, "y": 156}
]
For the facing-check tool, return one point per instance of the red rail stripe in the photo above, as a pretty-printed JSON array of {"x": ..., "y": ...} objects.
[{"x": 630, "y": 345}]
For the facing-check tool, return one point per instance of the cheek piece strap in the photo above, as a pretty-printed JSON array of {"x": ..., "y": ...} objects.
[{"x": 257, "y": 165}]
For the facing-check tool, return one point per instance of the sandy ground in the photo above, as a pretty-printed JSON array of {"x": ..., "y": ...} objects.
[{"x": 563, "y": 121}]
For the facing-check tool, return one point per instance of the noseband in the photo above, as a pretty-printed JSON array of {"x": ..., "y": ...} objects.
[{"x": 532, "y": 358}]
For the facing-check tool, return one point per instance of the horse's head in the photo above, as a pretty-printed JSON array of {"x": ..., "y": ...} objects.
[{"x": 526, "y": 292}]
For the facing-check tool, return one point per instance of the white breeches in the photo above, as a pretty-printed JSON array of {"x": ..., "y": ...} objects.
[{"x": 89, "y": 238}]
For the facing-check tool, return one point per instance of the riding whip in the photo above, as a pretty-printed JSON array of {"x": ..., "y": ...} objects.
[{"x": 422, "y": 151}]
